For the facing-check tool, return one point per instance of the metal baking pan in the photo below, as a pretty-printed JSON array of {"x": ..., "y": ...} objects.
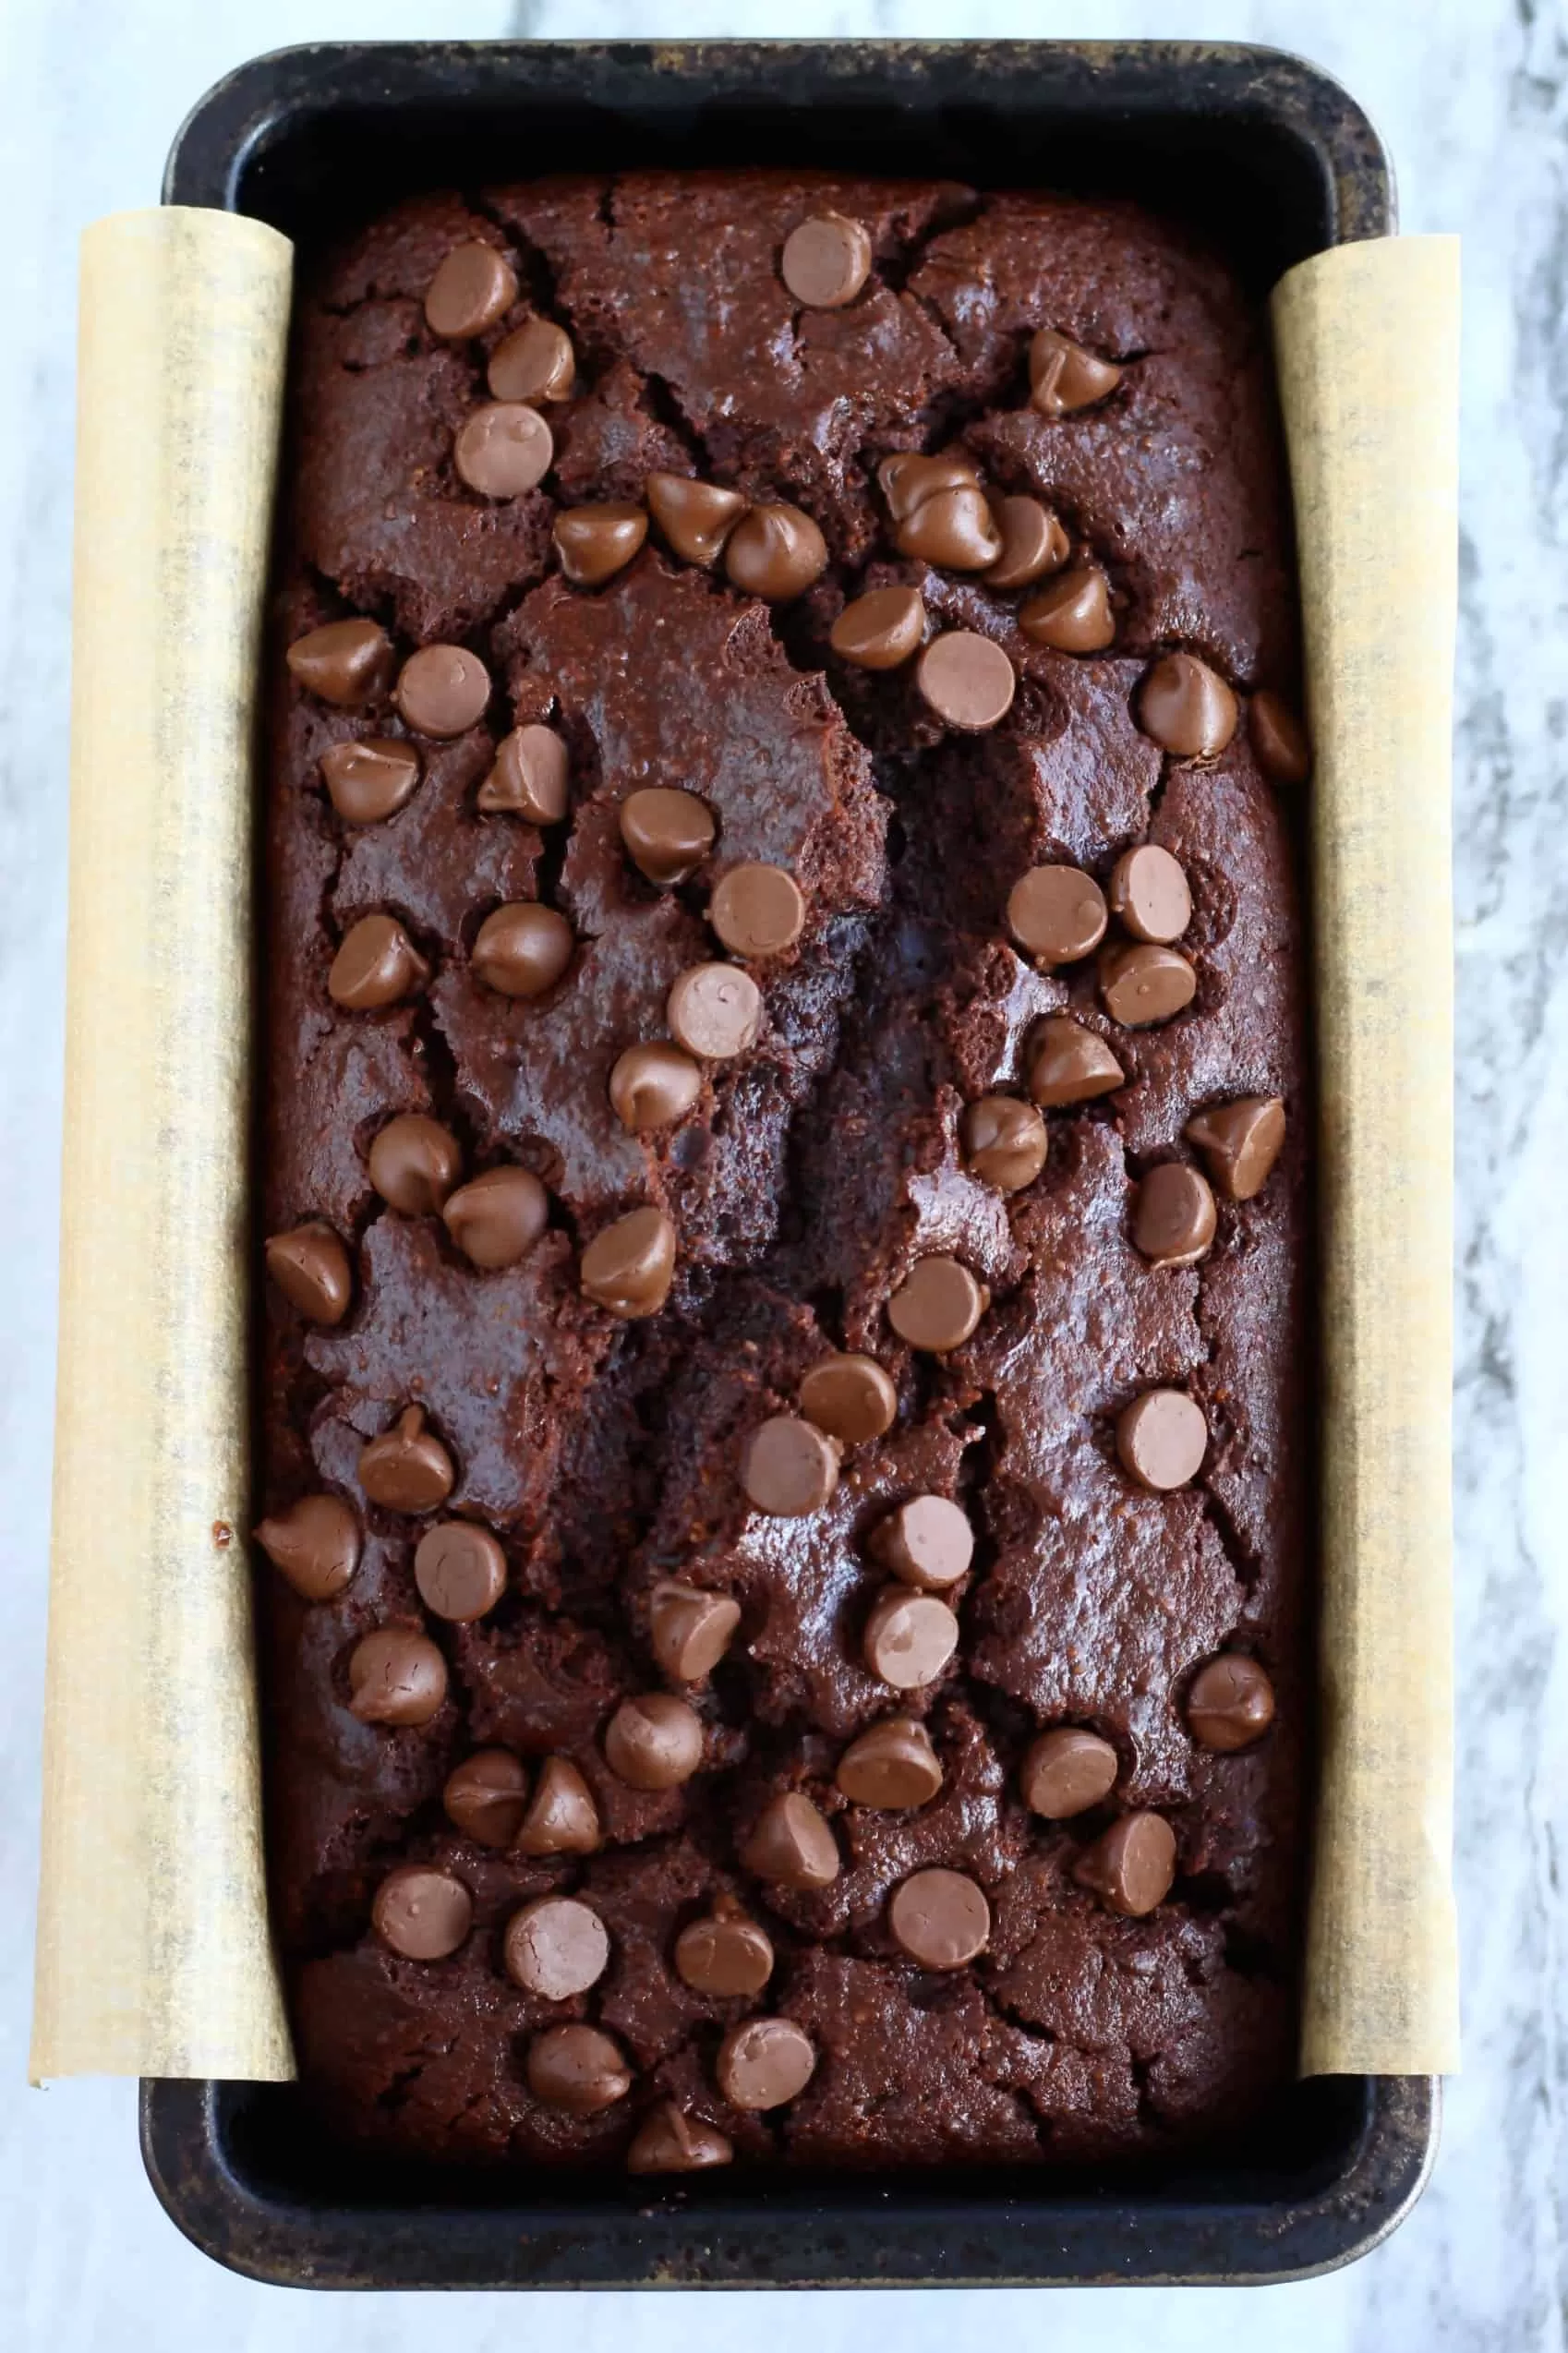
[{"x": 1274, "y": 162}]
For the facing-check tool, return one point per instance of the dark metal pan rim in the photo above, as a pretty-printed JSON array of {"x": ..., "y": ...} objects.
[{"x": 1288, "y": 161}]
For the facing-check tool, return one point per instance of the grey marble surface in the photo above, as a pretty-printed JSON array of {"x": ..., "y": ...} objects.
[{"x": 1472, "y": 96}]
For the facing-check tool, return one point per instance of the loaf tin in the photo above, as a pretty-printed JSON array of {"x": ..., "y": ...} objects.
[{"x": 1273, "y": 161}]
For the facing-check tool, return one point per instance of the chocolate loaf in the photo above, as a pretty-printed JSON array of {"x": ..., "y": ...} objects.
[{"x": 785, "y": 1529}]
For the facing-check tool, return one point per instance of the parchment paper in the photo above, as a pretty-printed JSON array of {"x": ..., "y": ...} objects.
[
  {"x": 153, "y": 1955},
  {"x": 1368, "y": 345},
  {"x": 152, "y": 1948}
]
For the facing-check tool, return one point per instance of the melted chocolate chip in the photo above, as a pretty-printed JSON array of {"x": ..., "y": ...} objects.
[
  {"x": 1058, "y": 913},
  {"x": 1064, "y": 377},
  {"x": 503, "y": 450},
  {"x": 954, "y": 529},
  {"x": 1005, "y": 1141},
  {"x": 1140, "y": 985},
  {"x": 654, "y": 1742},
  {"x": 893, "y": 1766},
  {"x": 1240, "y": 1141},
  {"x": 529, "y": 777},
  {"x": 1149, "y": 894},
  {"x": 1069, "y": 1064},
  {"x": 1066, "y": 1771},
  {"x": 406, "y": 1468},
  {"x": 667, "y": 833},
  {"x": 909, "y": 1638},
  {"x": 689, "y": 1631},
  {"x": 1278, "y": 739},
  {"x": 556, "y": 1946},
  {"x": 498, "y": 1217},
  {"x": 789, "y": 1468},
  {"x": 1034, "y": 543},
  {"x": 421, "y": 1914},
  {"x": 777, "y": 552},
  {"x": 758, "y": 911},
  {"x": 414, "y": 1163},
  {"x": 562, "y": 1818},
  {"x": 1131, "y": 1869},
  {"x": 460, "y": 1570},
  {"x": 310, "y": 1267},
  {"x": 1161, "y": 1439},
  {"x": 937, "y": 1305},
  {"x": 696, "y": 518},
  {"x": 347, "y": 663},
  {"x": 1188, "y": 708},
  {"x": 1230, "y": 1704},
  {"x": 395, "y": 1677},
  {"x": 723, "y": 1957},
  {"x": 370, "y": 781},
  {"x": 486, "y": 1796},
  {"x": 630, "y": 1264},
  {"x": 879, "y": 629},
  {"x": 376, "y": 965},
  {"x": 522, "y": 950},
  {"x": 577, "y": 2069},
  {"x": 652, "y": 1086},
  {"x": 535, "y": 362},
  {"x": 474, "y": 287},
  {"x": 850, "y": 1398},
  {"x": 966, "y": 680},
  {"x": 314, "y": 1543},
  {"x": 1072, "y": 616},
  {"x": 669, "y": 2141},
  {"x": 1173, "y": 1215},
  {"x": 926, "y": 1542},
  {"x": 791, "y": 1846},
  {"x": 715, "y": 1011},
  {"x": 940, "y": 1918},
  {"x": 764, "y": 2063},
  {"x": 594, "y": 543},
  {"x": 442, "y": 691},
  {"x": 826, "y": 260}
]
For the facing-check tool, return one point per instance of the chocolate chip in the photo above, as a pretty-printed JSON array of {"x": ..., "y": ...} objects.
[
  {"x": 498, "y": 1217},
  {"x": 908, "y": 1637},
  {"x": 850, "y": 1398},
  {"x": 314, "y": 1543},
  {"x": 789, "y": 1468},
  {"x": 442, "y": 691},
  {"x": 486, "y": 1796},
  {"x": 556, "y": 1946},
  {"x": 695, "y": 517},
  {"x": 940, "y": 1918},
  {"x": 926, "y": 1542},
  {"x": 629, "y": 1265},
  {"x": 1058, "y": 913},
  {"x": 1279, "y": 740},
  {"x": 1066, "y": 1771},
  {"x": 669, "y": 2141},
  {"x": 503, "y": 448},
  {"x": 667, "y": 833},
  {"x": 1240, "y": 1141},
  {"x": 1069, "y": 1064},
  {"x": 654, "y": 1742},
  {"x": 893, "y": 1766},
  {"x": 535, "y": 362},
  {"x": 689, "y": 1631},
  {"x": 1005, "y": 1141},
  {"x": 421, "y": 1914},
  {"x": 529, "y": 778},
  {"x": 908, "y": 479},
  {"x": 954, "y": 529},
  {"x": 775, "y": 551},
  {"x": 1161, "y": 1439},
  {"x": 346, "y": 662},
  {"x": 415, "y": 1162},
  {"x": 377, "y": 964},
  {"x": 966, "y": 680},
  {"x": 523, "y": 950},
  {"x": 1064, "y": 377},
  {"x": 764, "y": 2063},
  {"x": 1150, "y": 896},
  {"x": 879, "y": 629},
  {"x": 460, "y": 1570},
  {"x": 1187, "y": 708},
  {"x": 406, "y": 1468},
  {"x": 937, "y": 1305},
  {"x": 715, "y": 1011},
  {"x": 563, "y": 1817},
  {"x": 758, "y": 911},
  {"x": 596, "y": 542},
  {"x": 395, "y": 1677},
  {"x": 1131, "y": 1869},
  {"x": 1140, "y": 985},
  {"x": 1231, "y": 1703},
  {"x": 474, "y": 287},
  {"x": 1034, "y": 543},
  {"x": 826, "y": 260},
  {"x": 723, "y": 1957},
  {"x": 1173, "y": 1215},
  {"x": 1072, "y": 616},
  {"x": 370, "y": 781},
  {"x": 652, "y": 1086},
  {"x": 791, "y": 1846},
  {"x": 577, "y": 2069},
  {"x": 310, "y": 1267}
]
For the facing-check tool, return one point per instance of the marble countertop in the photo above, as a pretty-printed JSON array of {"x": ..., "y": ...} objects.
[{"x": 1472, "y": 97}]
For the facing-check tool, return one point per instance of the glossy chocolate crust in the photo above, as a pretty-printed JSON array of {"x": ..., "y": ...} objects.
[{"x": 813, "y": 1169}]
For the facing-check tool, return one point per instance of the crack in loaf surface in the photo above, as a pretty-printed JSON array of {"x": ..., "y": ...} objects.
[{"x": 805, "y": 1176}]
